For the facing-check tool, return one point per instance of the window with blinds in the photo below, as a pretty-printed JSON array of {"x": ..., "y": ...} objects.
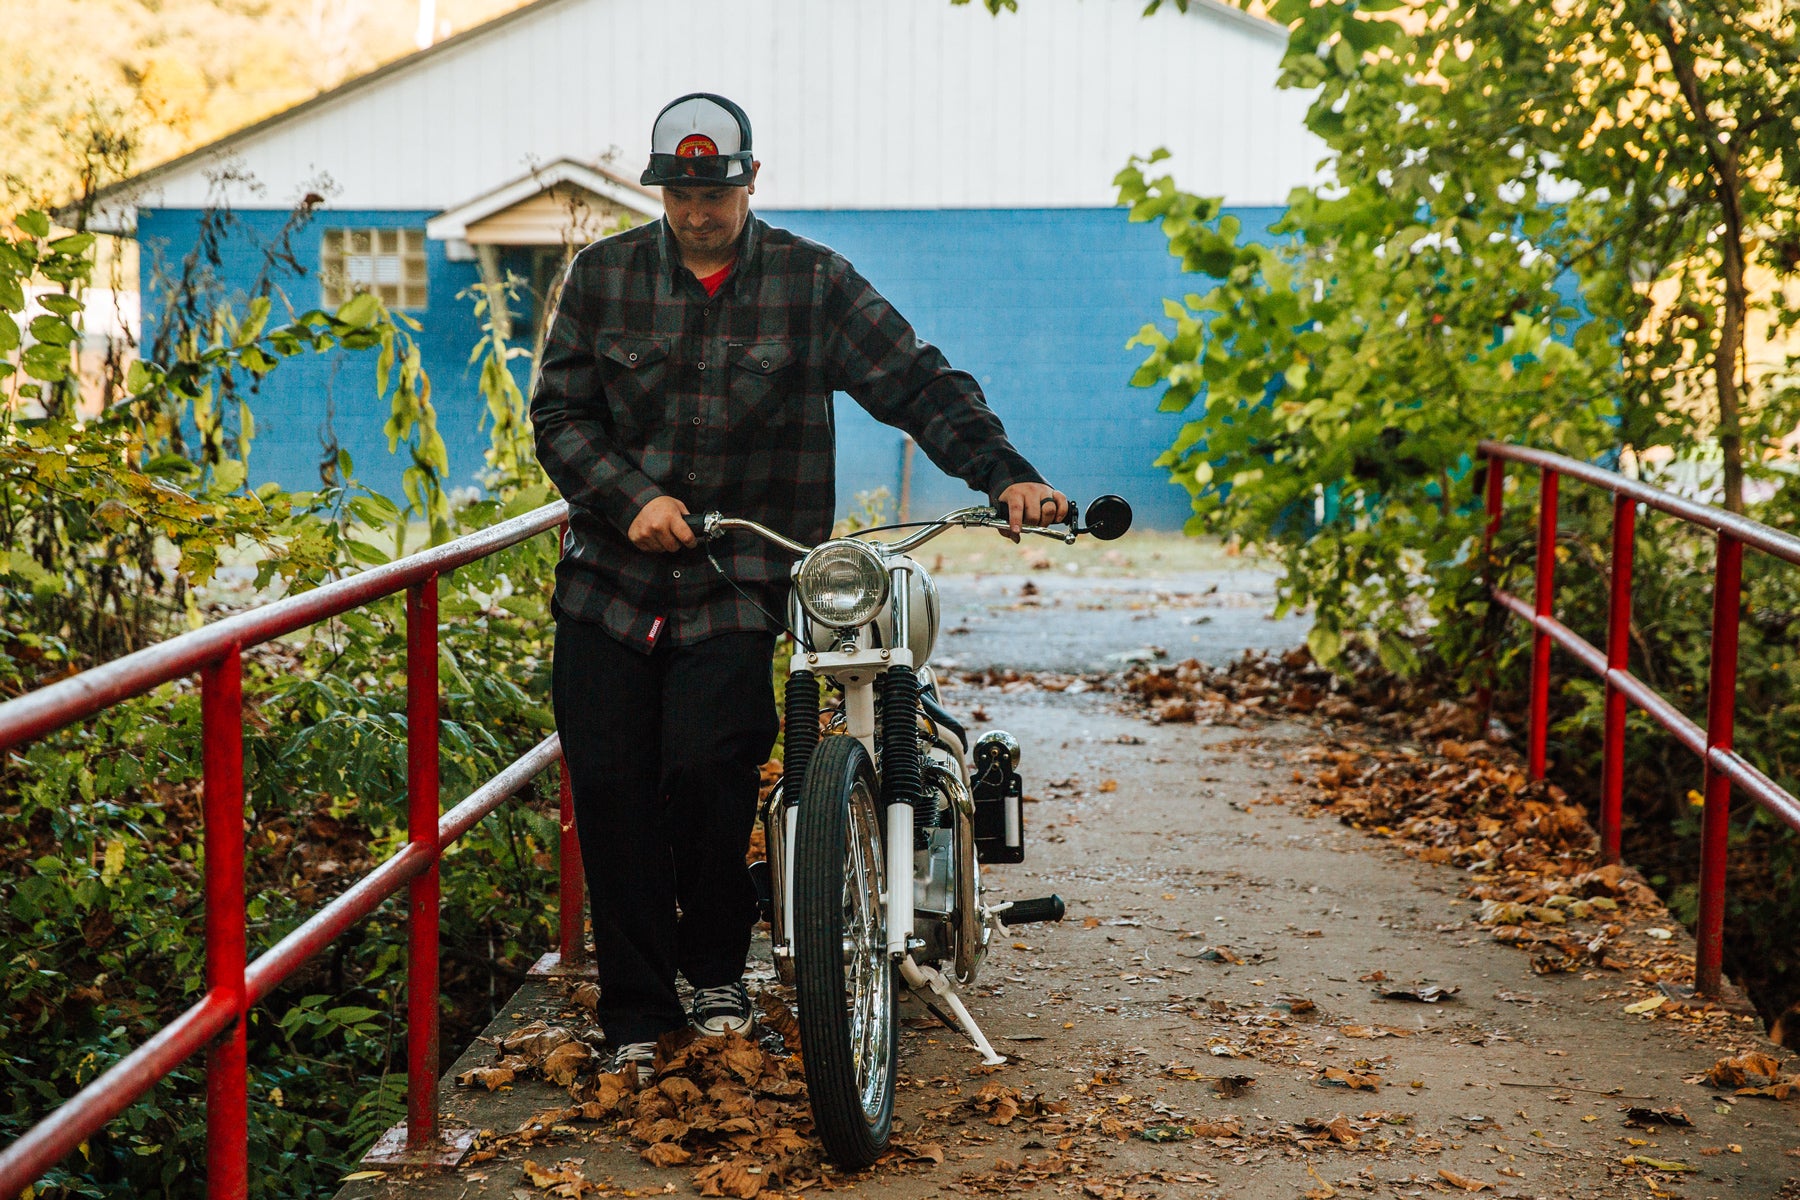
[{"x": 387, "y": 262}]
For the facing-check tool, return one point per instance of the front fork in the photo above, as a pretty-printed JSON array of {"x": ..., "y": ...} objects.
[
  {"x": 857, "y": 671},
  {"x": 907, "y": 810}
]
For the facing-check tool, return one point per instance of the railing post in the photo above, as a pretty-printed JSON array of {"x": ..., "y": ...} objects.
[
  {"x": 222, "y": 800},
  {"x": 1721, "y": 715},
  {"x": 1496, "y": 500},
  {"x": 422, "y": 810},
  {"x": 1618, "y": 658},
  {"x": 1543, "y": 601},
  {"x": 571, "y": 882}
]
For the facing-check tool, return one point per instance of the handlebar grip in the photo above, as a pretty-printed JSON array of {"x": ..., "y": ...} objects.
[
  {"x": 1000, "y": 514},
  {"x": 696, "y": 523}
]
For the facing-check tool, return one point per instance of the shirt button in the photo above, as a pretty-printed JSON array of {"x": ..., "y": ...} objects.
[
  {"x": 703, "y": 364},
  {"x": 765, "y": 364},
  {"x": 706, "y": 312},
  {"x": 676, "y": 572},
  {"x": 696, "y": 420},
  {"x": 690, "y": 475},
  {"x": 631, "y": 358}
]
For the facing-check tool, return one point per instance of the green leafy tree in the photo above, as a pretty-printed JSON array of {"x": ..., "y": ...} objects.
[{"x": 1536, "y": 222}]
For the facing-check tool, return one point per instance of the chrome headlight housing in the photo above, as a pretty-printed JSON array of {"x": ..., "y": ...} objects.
[{"x": 842, "y": 583}]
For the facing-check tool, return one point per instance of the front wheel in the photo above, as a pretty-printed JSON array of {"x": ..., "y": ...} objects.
[{"x": 843, "y": 975}]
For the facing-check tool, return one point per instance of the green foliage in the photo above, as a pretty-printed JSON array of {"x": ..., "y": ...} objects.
[
  {"x": 87, "y": 504},
  {"x": 1342, "y": 383},
  {"x": 1512, "y": 193},
  {"x": 511, "y": 457},
  {"x": 115, "y": 523}
]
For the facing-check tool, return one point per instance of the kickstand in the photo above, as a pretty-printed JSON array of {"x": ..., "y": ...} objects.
[{"x": 929, "y": 982}]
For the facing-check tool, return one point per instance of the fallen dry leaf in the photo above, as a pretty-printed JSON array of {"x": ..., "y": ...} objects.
[
  {"x": 1431, "y": 993},
  {"x": 1229, "y": 1127},
  {"x": 1373, "y": 1031},
  {"x": 564, "y": 1063},
  {"x": 564, "y": 1180},
  {"x": 1647, "y": 1118},
  {"x": 490, "y": 1078},
  {"x": 732, "y": 1178},
  {"x": 1463, "y": 1181},
  {"x": 1751, "y": 1069},
  {"x": 1338, "y": 1129},
  {"x": 1354, "y": 1080}
]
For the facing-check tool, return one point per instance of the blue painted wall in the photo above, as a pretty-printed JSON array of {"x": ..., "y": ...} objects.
[
  {"x": 1037, "y": 304},
  {"x": 306, "y": 395}
]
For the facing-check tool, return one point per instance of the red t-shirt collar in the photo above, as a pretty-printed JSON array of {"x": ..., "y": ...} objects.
[{"x": 712, "y": 283}]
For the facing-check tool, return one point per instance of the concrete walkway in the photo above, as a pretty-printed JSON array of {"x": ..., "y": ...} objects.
[{"x": 1207, "y": 1016}]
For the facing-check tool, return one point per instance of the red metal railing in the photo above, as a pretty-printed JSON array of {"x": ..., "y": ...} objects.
[
  {"x": 232, "y": 985},
  {"x": 1724, "y": 766}
]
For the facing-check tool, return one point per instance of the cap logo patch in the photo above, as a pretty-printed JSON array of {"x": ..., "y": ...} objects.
[{"x": 696, "y": 145}]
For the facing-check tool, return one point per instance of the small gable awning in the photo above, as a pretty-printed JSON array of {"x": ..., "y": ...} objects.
[{"x": 561, "y": 204}]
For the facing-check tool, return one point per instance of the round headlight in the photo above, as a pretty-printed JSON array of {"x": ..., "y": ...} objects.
[{"x": 842, "y": 583}]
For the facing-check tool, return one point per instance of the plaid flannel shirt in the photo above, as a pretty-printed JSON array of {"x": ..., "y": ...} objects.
[{"x": 648, "y": 387}]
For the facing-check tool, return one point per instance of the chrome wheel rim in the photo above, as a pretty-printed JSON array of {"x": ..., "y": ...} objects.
[{"x": 868, "y": 972}]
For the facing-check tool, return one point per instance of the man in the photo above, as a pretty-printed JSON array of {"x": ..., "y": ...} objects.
[{"x": 690, "y": 367}]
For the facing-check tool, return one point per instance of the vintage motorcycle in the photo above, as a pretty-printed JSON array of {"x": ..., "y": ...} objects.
[{"x": 883, "y": 817}]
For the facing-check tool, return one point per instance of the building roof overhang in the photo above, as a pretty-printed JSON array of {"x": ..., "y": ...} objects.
[{"x": 452, "y": 225}]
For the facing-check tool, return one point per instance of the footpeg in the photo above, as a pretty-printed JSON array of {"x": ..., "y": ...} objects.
[{"x": 1027, "y": 912}]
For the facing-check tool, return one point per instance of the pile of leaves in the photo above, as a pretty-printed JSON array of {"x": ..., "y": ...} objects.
[
  {"x": 733, "y": 1110},
  {"x": 1255, "y": 685},
  {"x": 1533, "y": 857},
  {"x": 1751, "y": 1073}
]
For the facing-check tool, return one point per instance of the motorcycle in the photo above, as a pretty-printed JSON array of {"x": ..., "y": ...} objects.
[{"x": 883, "y": 817}]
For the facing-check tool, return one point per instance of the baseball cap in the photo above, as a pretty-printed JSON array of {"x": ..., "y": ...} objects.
[{"x": 699, "y": 138}]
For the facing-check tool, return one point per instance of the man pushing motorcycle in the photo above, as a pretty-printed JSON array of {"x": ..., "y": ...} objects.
[{"x": 690, "y": 367}]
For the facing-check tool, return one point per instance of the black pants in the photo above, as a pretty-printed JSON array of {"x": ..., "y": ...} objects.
[{"x": 664, "y": 754}]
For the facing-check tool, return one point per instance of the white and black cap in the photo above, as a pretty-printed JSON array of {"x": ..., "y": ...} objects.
[{"x": 699, "y": 138}]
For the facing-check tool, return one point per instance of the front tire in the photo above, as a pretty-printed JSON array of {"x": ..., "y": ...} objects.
[{"x": 843, "y": 975}]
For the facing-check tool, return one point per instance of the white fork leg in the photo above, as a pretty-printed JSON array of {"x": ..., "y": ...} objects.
[
  {"x": 930, "y": 979},
  {"x": 899, "y": 878}
]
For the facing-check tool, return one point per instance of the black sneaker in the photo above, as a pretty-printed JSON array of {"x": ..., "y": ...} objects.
[
  {"x": 721, "y": 1010},
  {"x": 638, "y": 1056}
]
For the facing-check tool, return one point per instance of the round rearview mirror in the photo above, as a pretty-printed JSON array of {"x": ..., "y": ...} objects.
[{"x": 1108, "y": 517}]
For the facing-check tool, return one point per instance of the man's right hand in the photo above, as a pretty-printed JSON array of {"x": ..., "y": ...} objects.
[{"x": 659, "y": 527}]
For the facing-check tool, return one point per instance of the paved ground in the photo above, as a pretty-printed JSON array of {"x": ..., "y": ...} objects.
[
  {"x": 1096, "y": 624},
  {"x": 1179, "y": 849}
]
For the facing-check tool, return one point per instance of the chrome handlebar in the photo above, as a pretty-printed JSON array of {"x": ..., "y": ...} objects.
[{"x": 711, "y": 526}]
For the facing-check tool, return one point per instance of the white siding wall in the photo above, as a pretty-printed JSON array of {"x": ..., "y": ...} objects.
[{"x": 855, "y": 103}]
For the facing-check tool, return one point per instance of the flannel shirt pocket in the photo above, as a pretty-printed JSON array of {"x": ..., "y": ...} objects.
[
  {"x": 635, "y": 370},
  {"x": 763, "y": 385}
]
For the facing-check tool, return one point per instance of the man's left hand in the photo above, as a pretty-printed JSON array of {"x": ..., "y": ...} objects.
[{"x": 1032, "y": 504}]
